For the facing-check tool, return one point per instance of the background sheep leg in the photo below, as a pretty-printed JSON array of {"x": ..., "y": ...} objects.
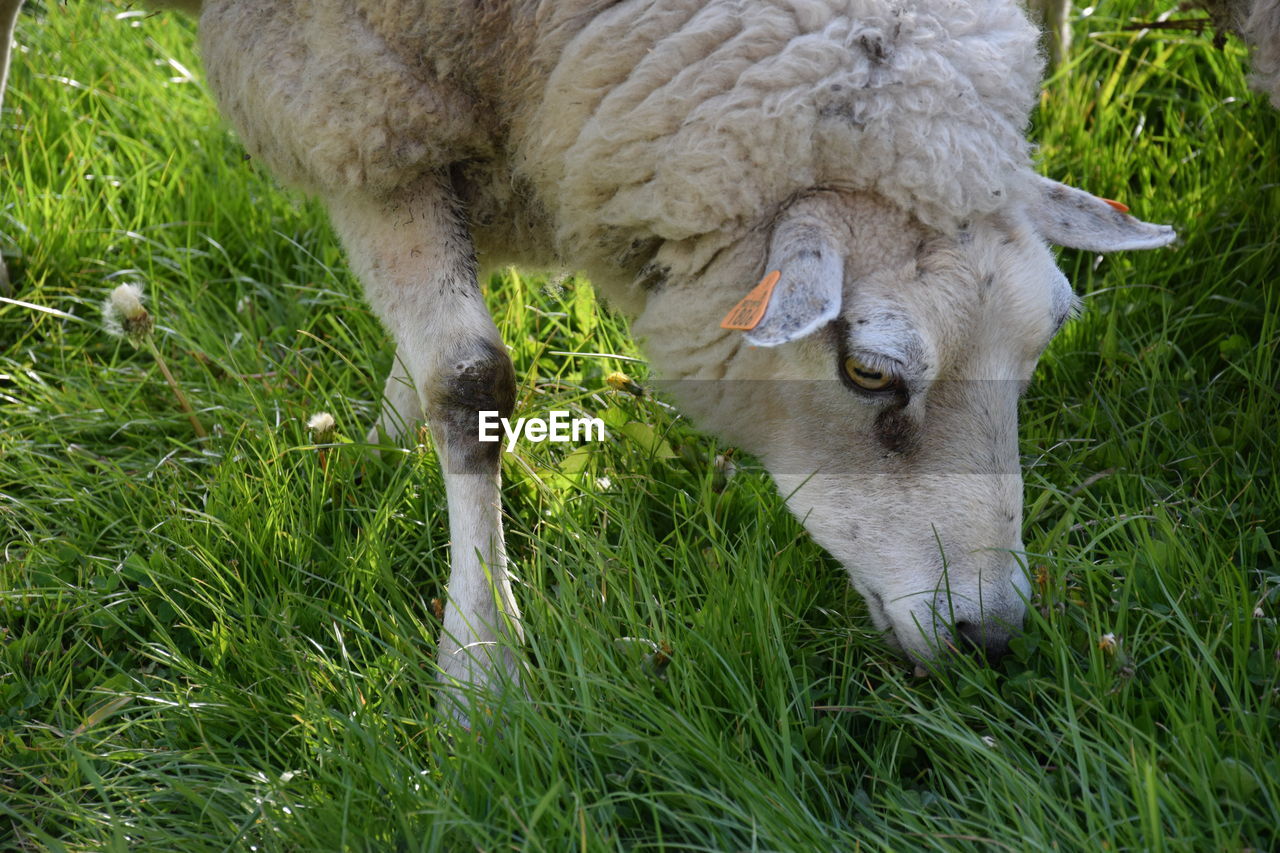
[
  {"x": 402, "y": 409},
  {"x": 1054, "y": 17},
  {"x": 8, "y": 20},
  {"x": 414, "y": 256}
]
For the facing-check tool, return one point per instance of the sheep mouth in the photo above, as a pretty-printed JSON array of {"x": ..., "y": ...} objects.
[
  {"x": 947, "y": 643},
  {"x": 939, "y": 645}
]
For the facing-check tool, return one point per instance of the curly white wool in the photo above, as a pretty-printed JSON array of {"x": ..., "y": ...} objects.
[{"x": 671, "y": 118}]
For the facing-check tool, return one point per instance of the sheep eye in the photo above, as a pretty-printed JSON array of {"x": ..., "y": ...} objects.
[{"x": 867, "y": 377}]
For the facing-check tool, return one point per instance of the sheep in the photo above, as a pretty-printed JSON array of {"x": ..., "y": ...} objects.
[
  {"x": 1257, "y": 23},
  {"x": 9, "y": 10},
  {"x": 1262, "y": 30},
  {"x": 866, "y": 159}
]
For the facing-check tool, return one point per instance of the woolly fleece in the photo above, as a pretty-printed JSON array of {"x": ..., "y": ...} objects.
[
  {"x": 629, "y": 121},
  {"x": 680, "y": 119}
]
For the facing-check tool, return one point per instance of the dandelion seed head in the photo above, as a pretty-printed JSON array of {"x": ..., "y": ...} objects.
[
  {"x": 124, "y": 315},
  {"x": 127, "y": 300},
  {"x": 322, "y": 426},
  {"x": 1107, "y": 642}
]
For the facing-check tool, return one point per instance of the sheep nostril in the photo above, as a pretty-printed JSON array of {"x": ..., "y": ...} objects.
[
  {"x": 970, "y": 633},
  {"x": 991, "y": 643}
]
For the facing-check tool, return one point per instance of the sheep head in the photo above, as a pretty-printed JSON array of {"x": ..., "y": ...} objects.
[{"x": 880, "y": 387}]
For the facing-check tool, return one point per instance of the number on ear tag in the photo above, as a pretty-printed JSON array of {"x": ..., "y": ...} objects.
[{"x": 748, "y": 313}]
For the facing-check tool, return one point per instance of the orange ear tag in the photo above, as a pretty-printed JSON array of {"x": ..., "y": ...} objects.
[
  {"x": 746, "y": 315},
  {"x": 1118, "y": 205}
]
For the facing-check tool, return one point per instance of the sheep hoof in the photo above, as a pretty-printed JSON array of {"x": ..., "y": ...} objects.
[{"x": 473, "y": 688}]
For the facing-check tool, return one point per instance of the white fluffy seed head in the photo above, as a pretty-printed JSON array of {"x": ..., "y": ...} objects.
[
  {"x": 322, "y": 426},
  {"x": 127, "y": 300},
  {"x": 123, "y": 313}
]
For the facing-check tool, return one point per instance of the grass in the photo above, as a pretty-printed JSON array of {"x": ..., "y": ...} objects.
[{"x": 227, "y": 644}]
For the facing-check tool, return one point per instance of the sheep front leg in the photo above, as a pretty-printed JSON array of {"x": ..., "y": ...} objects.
[{"x": 414, "y": 256}]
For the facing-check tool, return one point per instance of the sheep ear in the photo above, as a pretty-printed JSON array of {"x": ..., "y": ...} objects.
[
  {"x": 808, "y": 290},
  {"x": 1075, "y": 219}
]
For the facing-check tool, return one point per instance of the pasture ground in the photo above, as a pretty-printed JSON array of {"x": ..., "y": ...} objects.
[{"x": 227, "y": 643}]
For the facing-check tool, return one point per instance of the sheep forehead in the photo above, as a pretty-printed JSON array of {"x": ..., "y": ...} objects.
[{"x": 980, "y": 304}]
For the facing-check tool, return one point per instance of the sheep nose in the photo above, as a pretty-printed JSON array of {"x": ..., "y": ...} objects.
[
  {"x": 985, "y": 624},
  {"x": 989, "y": 638}
]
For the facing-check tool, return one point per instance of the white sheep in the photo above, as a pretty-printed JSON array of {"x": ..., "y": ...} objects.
[
  {"x": 872, "y": 152},
  {"x": 1257, "y": 23},
  {"x": 1261, "y": 29}
]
